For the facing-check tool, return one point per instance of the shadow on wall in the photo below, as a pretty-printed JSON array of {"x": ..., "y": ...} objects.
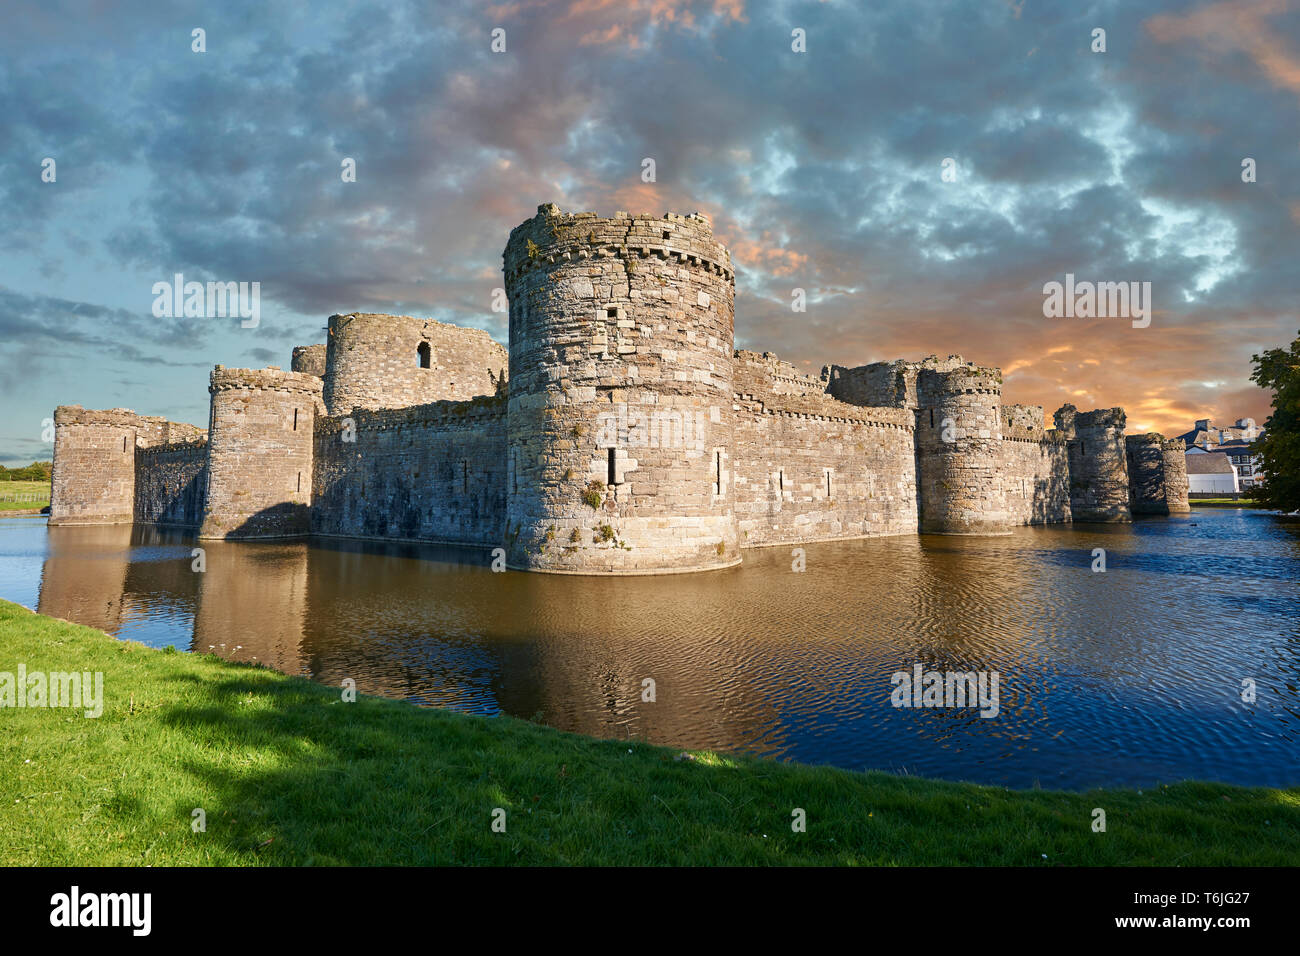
[
  {"x": 287, "y": 519},
  {"x": 1050, "y": 503}
]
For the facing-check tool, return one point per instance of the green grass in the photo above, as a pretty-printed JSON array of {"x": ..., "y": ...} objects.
[
  {"x": 1225, "y": 502},
  {"x": 9, "y": 488},
  {"x": 288, "y": 773}
]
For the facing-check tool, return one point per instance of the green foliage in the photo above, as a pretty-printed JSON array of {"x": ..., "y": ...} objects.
[
  {"x": 533, "y": 250},
  {"x": 605, "y": 533},
  {"x": 36, "y": 471},
  {"x": 594, "y": 496},
  {"x": 1279, "y": 448}
]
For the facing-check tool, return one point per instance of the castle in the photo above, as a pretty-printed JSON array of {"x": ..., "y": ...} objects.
[{"x": 621, "y": 432}]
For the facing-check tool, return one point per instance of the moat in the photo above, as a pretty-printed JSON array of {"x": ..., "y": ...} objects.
[{"x": 1125, "y": 678}]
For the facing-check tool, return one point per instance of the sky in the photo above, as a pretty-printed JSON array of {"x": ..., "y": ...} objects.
[{"x": 821, "y": 170}]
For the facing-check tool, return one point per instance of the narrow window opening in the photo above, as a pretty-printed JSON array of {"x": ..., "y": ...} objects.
[
  {"x": 611, "y": 312},
  {"x": 426, "y": 355},
  {"x": 123, "y": 443},
  {"x": 717, "y": 472},
  {"x": 828, "y": 483},
  {"x": 300, "y": 481},
  {"x": 295, "y": 419},
  {"x": 612, "y": 471},
  {"x": 667, "y": 234},
  {"x": 932, "y": 418},
  {"x": 780, "y": 481}
]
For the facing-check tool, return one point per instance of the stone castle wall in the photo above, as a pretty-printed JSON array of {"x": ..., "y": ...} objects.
[
  {"x": 1023, "y": 417},
  {"x": 1034, "y": 468},
  {"x": 959, "y": 451},
  {"x": 1157, "y": 472},
  {"x": 1099, "y": 480},
  {"x": 95, "y": 461},
  {"x": 433, "y": 472},
  {"x": 620, "y": 408},
  {"x": 93, "y": 478},
  {"x": 1176, "y": 486},
  {"x": 890, "y": 384},
  {"x": 171, "y": 483},
  {"x": 622, "y": 434},
  {"x": 1145, "y": 461},
  {"x": 374, "y": 361},
  {"x": 260, "y": 453},
  {"x": 309, "y": 359},
  {"x": 810, "y": 467}
]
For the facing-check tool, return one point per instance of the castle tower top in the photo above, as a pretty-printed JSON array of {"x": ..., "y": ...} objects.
[{"x": 553, "y": 236}]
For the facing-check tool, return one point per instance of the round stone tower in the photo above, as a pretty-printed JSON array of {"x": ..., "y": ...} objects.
[
  {"x": 620, "y": 397},
  {"x": 260, "y": 453},
  {"x": 1176, "y": 488},
  {"x": 93, "y": 479},
  {"x": 394, "y": 361},
  {"x": 1098, "y": 463},
  {"x": 958, "y": 444},
  {"x": 309, "y": 359},
  {"x": 1145, "y": 456}
]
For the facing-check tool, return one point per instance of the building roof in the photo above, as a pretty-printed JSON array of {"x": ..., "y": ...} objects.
[{"x": 1213, "y": 463}]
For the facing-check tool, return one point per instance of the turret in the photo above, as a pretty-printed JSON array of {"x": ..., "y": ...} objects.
[
  {"x": 396, "y": 361},
  {"x": 1176, "y": 486},
  {"x": 309, "y": 359},
  {"x": 1145, "y": 460},
  {"x": 621, "y": 393},
  {"x": 260, "y": 453},
  {"x": 958, "y": 451},
  {"x": 1098, "y": 463},
  {"x": 93, "y": 479}
]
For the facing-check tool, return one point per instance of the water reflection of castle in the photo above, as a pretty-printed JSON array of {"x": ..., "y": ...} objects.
[{"x": 404, "y": 621}]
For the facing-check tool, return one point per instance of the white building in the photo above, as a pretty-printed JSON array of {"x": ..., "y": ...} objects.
[{"x": 1211, "y": 472}]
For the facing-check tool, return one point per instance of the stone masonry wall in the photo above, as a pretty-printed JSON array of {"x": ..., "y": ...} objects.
[
  {"x": 1145, "y": 460},
  {"x": 433, "y": 472},
  {"x": 959, "y": 451},
  {"x": 260, "y": 453},
  {"x": 1098, "y": 463},
  {"x": 309, "y": 359},
  {"x": 93, "y": 479},
  {"x": 1025, "y": 417},
  {"x": 620, "y": 407},
  {"x": 888, "y": 384},
  {"x": 171, "y": 483},
  {"x": 374, "y": 361},
  {"x": 810, "y": 467},
  {"x": 1176, "y": 485},
  {"x": 1035, "y": 474}
]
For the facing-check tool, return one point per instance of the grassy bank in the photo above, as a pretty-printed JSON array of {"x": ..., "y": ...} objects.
[
  {"x": 34, "y": 495},
  {"x": 288, "y": 773}
]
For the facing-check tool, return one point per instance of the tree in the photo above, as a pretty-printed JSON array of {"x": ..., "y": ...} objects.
[
  {"x": 1279, "y": 448},
  {"x": 36, "y": 471}
]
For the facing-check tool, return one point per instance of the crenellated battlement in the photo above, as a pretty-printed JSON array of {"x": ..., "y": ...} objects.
[
  {"x": 270, "y": 379},
  {"x": 76, "y": 415},
  {"x": 482, "y": 408},
  {"x": 553, "y": 237}
]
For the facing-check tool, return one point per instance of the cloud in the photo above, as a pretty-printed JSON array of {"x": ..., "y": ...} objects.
[{"x": 820, "y": 170}]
